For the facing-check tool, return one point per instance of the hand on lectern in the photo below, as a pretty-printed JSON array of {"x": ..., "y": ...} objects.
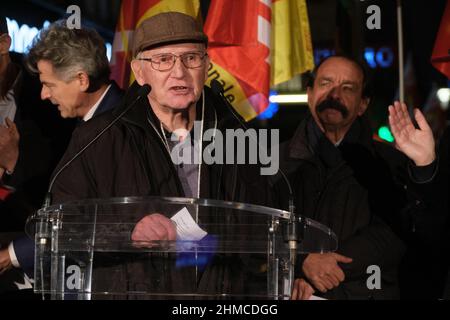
[
  {"x": 301, "y": 290},
  {"x": 154, "y": 227}
]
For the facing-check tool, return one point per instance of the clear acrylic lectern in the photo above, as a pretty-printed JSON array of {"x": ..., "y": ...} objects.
[{"x": 223, "y": 250}]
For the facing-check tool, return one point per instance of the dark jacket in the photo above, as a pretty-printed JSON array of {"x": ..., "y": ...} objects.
[
  {"x": 427, "y": 260},
  {"x": 43, "y": 139},
  {"x": 44, "y": 135},
  {"x": 351, "y": 189},
  {"x": 131, "y": 160},
  {"x": 442, "y": 193},
  {"x": 24, "y": 247},
  {"x": 112, "y": 98}
]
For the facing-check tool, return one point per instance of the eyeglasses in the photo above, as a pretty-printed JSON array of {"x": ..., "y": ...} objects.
[{"x": 166, "y": 61}]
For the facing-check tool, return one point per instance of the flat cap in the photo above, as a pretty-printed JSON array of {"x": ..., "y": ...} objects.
[{"x": 167, "y": 28}]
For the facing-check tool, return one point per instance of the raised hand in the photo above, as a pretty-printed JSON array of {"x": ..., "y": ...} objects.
[{"x": 416, "y": 144}]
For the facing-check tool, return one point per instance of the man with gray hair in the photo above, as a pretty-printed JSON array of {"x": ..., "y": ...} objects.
[
  {"x": 28, "y": 127},
  {"x": 74, "y": 72}
]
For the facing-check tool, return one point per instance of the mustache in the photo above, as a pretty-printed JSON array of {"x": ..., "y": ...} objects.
[{"x": 331, "y": 103}]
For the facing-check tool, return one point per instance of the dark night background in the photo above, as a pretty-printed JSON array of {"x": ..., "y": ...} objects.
[{"x": 338, "y": 26}]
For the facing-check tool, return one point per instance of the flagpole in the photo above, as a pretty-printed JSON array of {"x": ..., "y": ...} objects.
[{"x": 400, "y": 52}]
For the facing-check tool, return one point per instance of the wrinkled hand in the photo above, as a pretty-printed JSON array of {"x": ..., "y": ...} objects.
[
  {"x": 416, "y": 144},
  {"x": 9, "y": 145},
  {"x": 302, "y": 290},
  {"x": 154, "y": 227},
  {"x": 5, "y": 261},
  {"x": 323, "y": 271}
]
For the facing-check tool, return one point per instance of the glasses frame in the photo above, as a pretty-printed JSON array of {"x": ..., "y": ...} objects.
[{"x": 174, "y": 60}]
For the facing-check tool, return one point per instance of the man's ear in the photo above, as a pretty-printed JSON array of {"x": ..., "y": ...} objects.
[
  {"x": 136, "y": 66},
  {"x": 363, "y": 106},
  {"x": 83, "y": 80},
  {"x": 5, "y": 43}
]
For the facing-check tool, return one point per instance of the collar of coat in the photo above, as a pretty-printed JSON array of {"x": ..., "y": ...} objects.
[{"x": 309, "y": 142}]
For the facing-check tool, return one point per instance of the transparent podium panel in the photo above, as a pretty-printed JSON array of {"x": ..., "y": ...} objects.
[{"x": 223, "y": 250}]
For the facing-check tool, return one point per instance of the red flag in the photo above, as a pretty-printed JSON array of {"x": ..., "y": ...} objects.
[
  {"x": 5, "y": 192},
  {"x": 236, "y": 44},
  {"x": 128, "y": 17},
  {"x": 441, "y": 52},
  {"x": 254, "y": 44}
]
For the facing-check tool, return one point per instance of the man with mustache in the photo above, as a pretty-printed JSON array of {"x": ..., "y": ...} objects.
[{"x": 344, "y": 179}]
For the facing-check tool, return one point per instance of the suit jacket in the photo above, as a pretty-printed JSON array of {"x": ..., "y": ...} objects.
[
  {"x": 110, "y": 100},
  {"x": 24, "y": 247},
  {"x": 43, "y": 133}
]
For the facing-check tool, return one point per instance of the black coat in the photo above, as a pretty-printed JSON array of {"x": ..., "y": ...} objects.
[
  {"x": 44, "y": 137},
  {"x": 427, "y": 260},
  {"x": 131, "y": 160},
  {"x": 355, "y": 190},
  {"x": 24, "y": 246}
]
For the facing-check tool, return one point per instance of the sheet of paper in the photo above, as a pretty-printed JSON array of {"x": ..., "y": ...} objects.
[
  {"x": 313, "y": 297},
  {"x": 187, "y": 228}
]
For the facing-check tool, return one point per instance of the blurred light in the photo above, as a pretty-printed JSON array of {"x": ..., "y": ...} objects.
[
  {"x": 382, "y": 57},
  {"x": 108, "y": 50},
  {"x": 321, "y": 54},
  {"x": 22, "y": 36},
  {"x": 289, "y": 98},
  {"x": 443, "y": 95},
  {"x": 385, "y": 57},
  {"x": 369, "y": 55},
  {"x": 385, "y": 134},
  {"x": 271, "y": 110}
]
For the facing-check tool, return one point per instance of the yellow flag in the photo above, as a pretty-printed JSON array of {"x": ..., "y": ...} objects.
[{"x": 292, "y": 47}]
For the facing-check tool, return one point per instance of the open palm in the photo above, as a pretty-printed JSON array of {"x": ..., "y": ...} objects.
[{"x": 416, "y": 143}]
